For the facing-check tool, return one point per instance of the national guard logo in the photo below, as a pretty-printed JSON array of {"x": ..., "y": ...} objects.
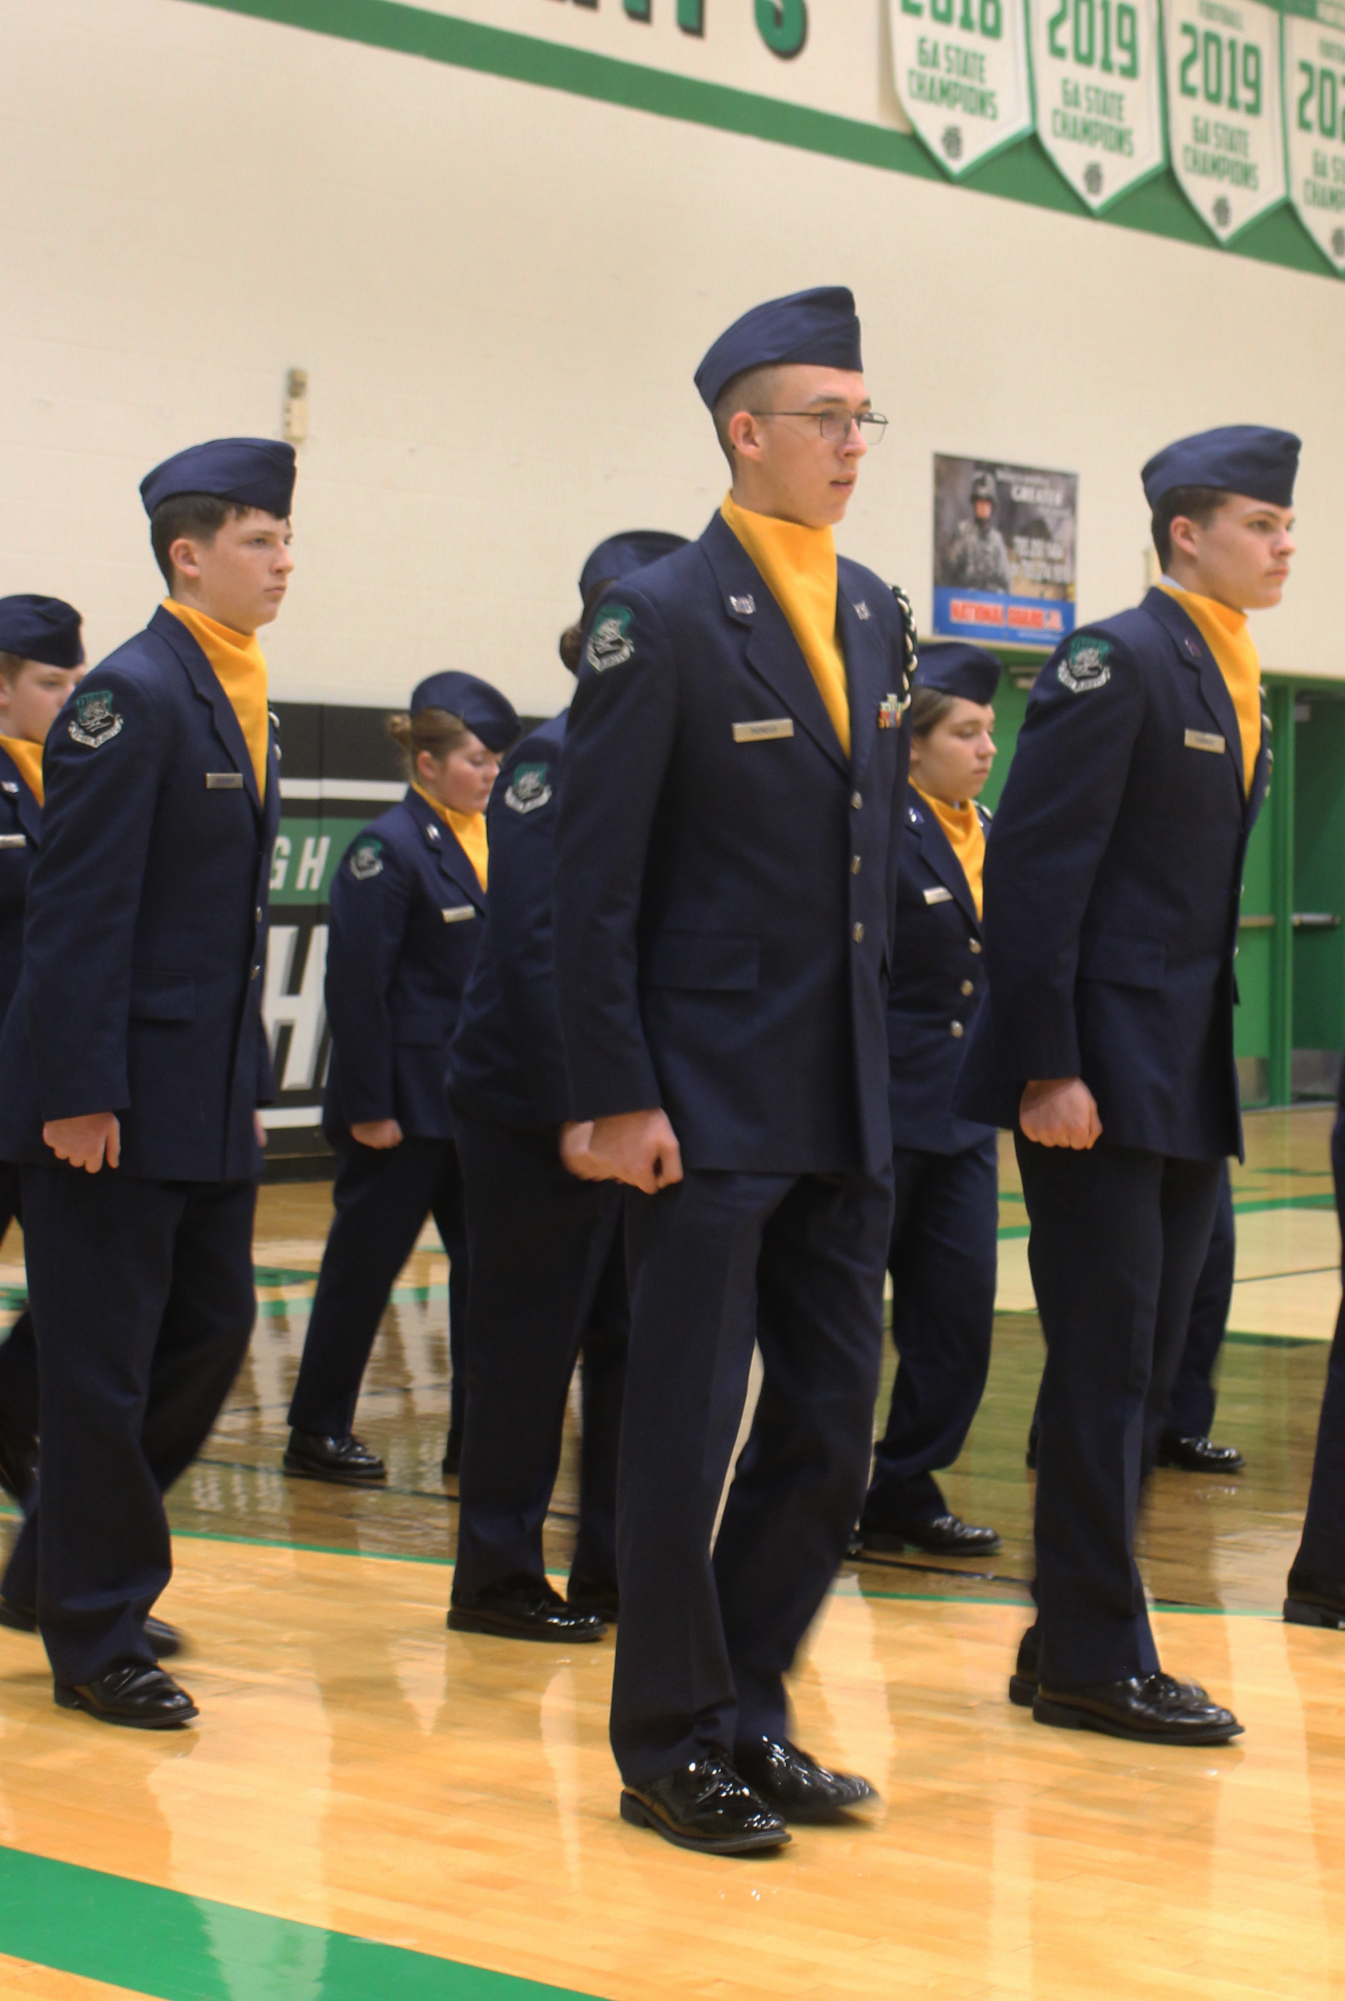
[
  {"x": 366, "y": 860},
  {"x": 1086, "y": 665},
  {"x": 610, "y": 643},
  {"x": 95, "y": 720},
  {"x": 889, "y": 712},
  {"x": 529, "y": 788}
]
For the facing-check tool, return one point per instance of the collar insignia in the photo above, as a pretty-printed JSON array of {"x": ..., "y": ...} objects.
[
  {"x": 746, "y": 606},
  {"x": 862, "y": 610}
]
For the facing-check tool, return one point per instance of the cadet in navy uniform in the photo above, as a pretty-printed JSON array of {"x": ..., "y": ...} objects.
[
  {"x": 1106, "y": 1040},
  {"x": 731, "y": 806},
  {"x": 945, "y": 1224},
  {"x": 132, "y": 1063},
  {"x": 547, "y": 1261},
  {"x": 1316, "y": 1593},
  {"x": 407, "y": 910},
  {"x": 41, "y": 654}
]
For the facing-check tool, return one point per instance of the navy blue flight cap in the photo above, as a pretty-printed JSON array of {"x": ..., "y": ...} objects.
[
  {"x": 955, "y": 668},
  {"x": 620, "y": 554},
  {"x": 45, "y": 629},
  {"x": 1237, "y": 458},
  {"x": 252, "y": 472},
  {"x": 483, "y": 708},
  {"x": 820, "y": 327}
]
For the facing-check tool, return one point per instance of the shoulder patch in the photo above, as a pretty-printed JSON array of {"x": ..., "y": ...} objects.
[
  {"x": 366, "y": 859},
  {"x": 610, "y": 643},
  {"x": 1086, "y": 666},
  {"x": 95, "y": 720},
  {"x": 529, "y": 788}
]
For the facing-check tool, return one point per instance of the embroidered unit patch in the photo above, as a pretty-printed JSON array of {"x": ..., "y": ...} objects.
[
  {"x": 366, "y": 860},
  {"x": 609, "y": 643},
  {"x": 1086, "y": 666},
  {"x": 529, "y": 787},
  {"x": 95, "y": 720}
]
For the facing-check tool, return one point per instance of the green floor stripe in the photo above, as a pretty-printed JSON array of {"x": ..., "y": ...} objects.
[{"x": 181, "y": 1948}]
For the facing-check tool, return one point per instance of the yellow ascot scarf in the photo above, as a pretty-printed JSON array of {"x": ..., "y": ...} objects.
[
  {"x": 1225, "y": 633},
  {"x": 469, "y": 829},
  {"x": 28, "y": 759},
  {"x": 799, "y": 568},
  {"x": 966, "y": 838},
  {"x": 240, "y": 668}
]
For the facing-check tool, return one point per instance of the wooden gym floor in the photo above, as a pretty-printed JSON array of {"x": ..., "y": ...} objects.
[{"x": 374, "y": 1807}]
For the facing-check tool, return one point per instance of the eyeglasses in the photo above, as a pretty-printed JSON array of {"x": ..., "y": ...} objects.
[{"x": 834, "y": 425}]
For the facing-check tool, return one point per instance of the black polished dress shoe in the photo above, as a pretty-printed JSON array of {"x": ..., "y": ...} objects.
[
  {"x": 796, "y": 1787},
  {"x": 1314, "y": 1600},
  {"x": 590, "y": 1594},
  {"x": 1149, "y": 1708},
  {"x": 1024, "y": 1679},
  {"x": 140, "y": 1697},
  {"x": 166, "y": 1640},
  {"x": 524, "y": 1608},
  {"x": 345, "y": 1462},
  {"x": 1198, "y": 1455},
  {"x": 946, "y": 1535},
  {"x": 707, "y": 1806}
]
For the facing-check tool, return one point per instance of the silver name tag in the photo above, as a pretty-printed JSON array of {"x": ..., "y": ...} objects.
[
  {"x": 13, "y": 840},
  {"x": 763, "y": 732},
  {"x": 1204, "y": 740},
  {"x": 224, "y": 781},
  {"x": 938, "y": 896},
  {"x": 459, "y": 914}
]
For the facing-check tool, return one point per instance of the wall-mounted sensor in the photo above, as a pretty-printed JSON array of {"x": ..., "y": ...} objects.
[{"x": 294, "y": 420}]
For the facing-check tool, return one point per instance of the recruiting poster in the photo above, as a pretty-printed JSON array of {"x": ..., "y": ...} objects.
[
  {"x": 1314, "y": 102},
  {"x": 1225, "y": 131},
  {"x": 962, "y": 75},
  {"x": 1097, "y": 74},
  {"x": 1004, "y": 552}
]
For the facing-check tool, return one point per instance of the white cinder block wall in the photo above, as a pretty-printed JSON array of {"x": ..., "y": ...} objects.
[{"x": 500, "y": 293}]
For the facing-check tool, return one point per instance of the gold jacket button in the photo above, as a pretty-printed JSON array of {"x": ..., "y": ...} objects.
[
  {"x": 856, "y": 800},
  {"x": 956, "y": 1028},
  {"x": 967, "y": 987},
  {"x": 856, "y": 864},
  {"x": 974, "y": 945},
  {"x": 858, "y": 934}
]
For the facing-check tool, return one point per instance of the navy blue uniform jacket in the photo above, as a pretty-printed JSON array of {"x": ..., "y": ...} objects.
[
  {"x": 508, "y": 1061},
  {"x": 141, "y": 985},
  {"x": 939, "y": 954},
  {"x": 1112, "y": 881},
  {"x": 20, "y": 838},
  {"x": 726, "y": 878},
  {"x": 407, "y": 915}
]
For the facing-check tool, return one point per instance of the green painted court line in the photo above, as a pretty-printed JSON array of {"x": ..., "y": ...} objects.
[
  {"x": 181, "y": 1948},
  {"x": 1022, "y": 172}
]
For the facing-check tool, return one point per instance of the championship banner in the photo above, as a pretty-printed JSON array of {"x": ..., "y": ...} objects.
[
  {"x": 1097, "y": 76},
  {"x": 962, "y": 75},
  {"x": 1004, "y": 543},
  {"x": 1225, "y": 126},
  {"x": 1314, "y": 102}
]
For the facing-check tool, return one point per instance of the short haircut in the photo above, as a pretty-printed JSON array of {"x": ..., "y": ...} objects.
[
  {"x": 748, "y": 391},
  {"x": 434, "y": 730},
  {"x": 1198, "y": 503},
  {"x": 929, "y": 706},
  {"x": 199, "y": 516}
]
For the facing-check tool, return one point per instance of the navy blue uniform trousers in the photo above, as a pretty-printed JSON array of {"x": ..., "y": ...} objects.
[
  {"x": 1190, "y": 1409},
  {"x": 18, "y": 1353},
  {"x": 548, "y": 1280},
  {"x": 1118, "y": 1239},
  {"x": 1323, "y": 1546},
  {"x": 382, "y": 1196},
  {"x": 143, "y": 1301},
  {"x": 942, "y": 1258},
  {"x": 716, "y": 1263}
]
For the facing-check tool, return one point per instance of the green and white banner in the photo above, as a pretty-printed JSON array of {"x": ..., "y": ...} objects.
[
  {"x": 1314, "y": 106},
  {"x": 1097, "y": 68},
  {"x": 1225, "y": 125},
  {"x": 962, "y": 75}
]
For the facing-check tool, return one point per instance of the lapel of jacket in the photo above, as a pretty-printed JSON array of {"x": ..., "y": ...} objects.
[
  {"x": 1261, "y": 770},
  {"x": 29, "y": 812},
  {"x": 208, "y": 689},
  {"x": 446, "y": 848},
  {"x": 936, "y": 851},
  {"x": 1195, "y": 655},
  {"x": 773, "y": 653},
  {"x": 271, "y": 817},
  {"x": 861, "y": 650}
]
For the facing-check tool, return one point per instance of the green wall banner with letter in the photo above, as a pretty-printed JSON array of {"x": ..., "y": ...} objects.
[
  {"x": 1226, "y": 129},
  {"x": 1314, "y": 104},
  {"x": 962, "y": 76},
  {"x": 1097, "y": 66}
]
